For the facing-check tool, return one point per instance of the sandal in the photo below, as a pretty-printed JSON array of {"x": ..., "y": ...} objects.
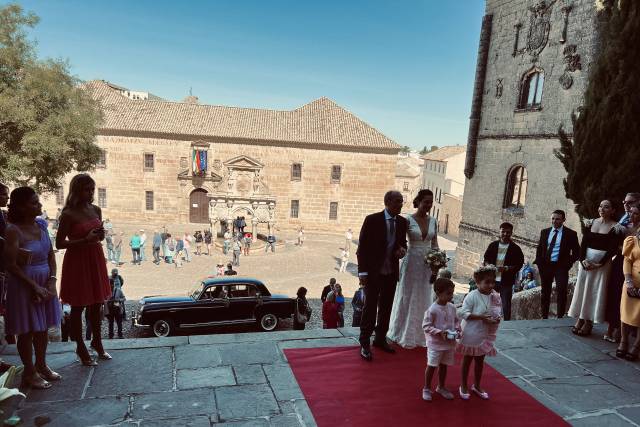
[
  {"x": 49, "y": 374},
  {"x": 621, "y": 351},
  {"x": 86, "y": 359},
  {"x": 632, "y": 356},
  {"x": 35, "y": 382},
  {"x": 609, "y": 339},
  {"x": 585, "y": 331}
]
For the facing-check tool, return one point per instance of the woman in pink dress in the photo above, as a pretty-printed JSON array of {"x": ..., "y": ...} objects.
[{"x": 85, "y": 280}]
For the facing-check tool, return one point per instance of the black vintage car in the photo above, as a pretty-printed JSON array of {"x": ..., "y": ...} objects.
[{"x": 215, "y": 302}]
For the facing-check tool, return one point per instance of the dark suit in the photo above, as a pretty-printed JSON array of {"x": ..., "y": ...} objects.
[
  {"x": 559, "y": 270},
  {"x": 380, "y": 288},
  {"x": 514, "y": 259}
]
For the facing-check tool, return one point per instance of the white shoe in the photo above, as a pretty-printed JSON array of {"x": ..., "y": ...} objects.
[
  {"x": 483, "y": 395},
  {"x": 426, "y": 394},
  {"x": 444, "y": 393},
  {"x": 463, "y": 396}
]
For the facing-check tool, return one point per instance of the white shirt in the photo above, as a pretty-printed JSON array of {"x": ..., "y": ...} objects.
[
  {"x": 502, "y": 254},
  {"x": 555, "y": 251}
]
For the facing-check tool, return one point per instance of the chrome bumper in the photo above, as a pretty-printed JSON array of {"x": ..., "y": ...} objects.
[{"x": 136, "y": 323}]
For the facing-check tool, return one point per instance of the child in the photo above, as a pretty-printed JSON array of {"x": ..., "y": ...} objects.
[
  {"x": 330, "y": 312},
  {"x": 481, "y": 311},
  {"x": 441, "y": 327}
]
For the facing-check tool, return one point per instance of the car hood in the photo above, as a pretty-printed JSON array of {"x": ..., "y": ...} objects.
[{"x": 164, "y": 299}]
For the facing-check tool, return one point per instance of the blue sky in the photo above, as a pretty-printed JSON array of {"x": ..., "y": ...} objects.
[{"x": 405, "y": 67}]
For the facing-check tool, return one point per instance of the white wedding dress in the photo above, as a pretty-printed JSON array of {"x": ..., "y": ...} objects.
[{"x": 414, "y": 293}]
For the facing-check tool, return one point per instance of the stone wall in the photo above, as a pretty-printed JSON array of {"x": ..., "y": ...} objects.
[
  {"x": 511, "y": 137},
  {"x": 451, "y": 206},
  {"x": 365, "y": 179}
]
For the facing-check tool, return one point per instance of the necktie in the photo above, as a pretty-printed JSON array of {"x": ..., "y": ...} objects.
[
  {"x": 552, "y": 244},
  {"x": 392, "y": 229}
]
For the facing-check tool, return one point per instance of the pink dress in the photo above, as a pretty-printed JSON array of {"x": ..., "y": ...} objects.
[
  {"x": 478, "y": 337},
  {"x": 85, "y": 280}
]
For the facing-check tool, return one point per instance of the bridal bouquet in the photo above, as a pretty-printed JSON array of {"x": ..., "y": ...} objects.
[{"x": 435, "y": 259}]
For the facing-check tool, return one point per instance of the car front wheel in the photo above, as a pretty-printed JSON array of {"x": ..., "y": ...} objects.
[
  {"x": 162, "y": 328},
  {"x": 268, "y": 322}
]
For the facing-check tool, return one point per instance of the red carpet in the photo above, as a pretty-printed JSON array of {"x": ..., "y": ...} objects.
[{"x": 343, "y": 390}]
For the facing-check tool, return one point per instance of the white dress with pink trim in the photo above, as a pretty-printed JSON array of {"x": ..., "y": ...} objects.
[{"x": 478, "y": 337}]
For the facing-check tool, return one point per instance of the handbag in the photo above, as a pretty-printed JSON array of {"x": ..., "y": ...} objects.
[
  {"x": 633, "y": 292},
  {"x": 300, "y": 318}
]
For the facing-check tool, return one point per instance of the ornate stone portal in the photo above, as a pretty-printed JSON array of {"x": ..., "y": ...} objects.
[{"x": 241, "y": 191}]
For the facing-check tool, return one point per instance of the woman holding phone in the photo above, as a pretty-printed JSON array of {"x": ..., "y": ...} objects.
[
  {"x": 85, "y": 280},
  {"x": 32, "y": 303}
]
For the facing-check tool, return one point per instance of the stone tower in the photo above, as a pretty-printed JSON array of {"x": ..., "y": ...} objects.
[{"x": 533, "y": 64}]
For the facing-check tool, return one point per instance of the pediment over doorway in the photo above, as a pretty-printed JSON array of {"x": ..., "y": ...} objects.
[{"x": 244, "y": 163}]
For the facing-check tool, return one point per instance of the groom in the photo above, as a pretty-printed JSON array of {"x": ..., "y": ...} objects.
[{"x": 382, "y": 243}]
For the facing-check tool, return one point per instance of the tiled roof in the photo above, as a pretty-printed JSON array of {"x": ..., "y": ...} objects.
[
  {"x": 406, "y": 169},
  {"x": 321, "y": 122},
  {"x": 445, "y": 152}
]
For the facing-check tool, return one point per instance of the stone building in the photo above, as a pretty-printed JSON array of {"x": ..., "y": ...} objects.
[
  {"x": 533, "y": 63},
  {"x": 443, "y": 173},
  {"x": 408, "y": 178},
  {"x": 317, "y": 166}
]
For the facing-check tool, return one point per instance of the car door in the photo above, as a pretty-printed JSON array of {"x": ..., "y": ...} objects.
[
  {"x": 212, "y": 306},
  {"x": 243, "y": 301}
]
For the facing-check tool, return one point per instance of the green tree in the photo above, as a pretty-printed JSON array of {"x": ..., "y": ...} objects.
[
  {"x": 405, "y": 149},
  {"x": 602, "y": 157},
  {"x": 48, "y": 123}
]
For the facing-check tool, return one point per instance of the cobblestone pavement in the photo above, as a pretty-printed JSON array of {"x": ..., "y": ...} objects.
[
  {"x": 291, "y": 266},
  {"x": 244, "y": 379},
  {"x": 284, "y": 271}
]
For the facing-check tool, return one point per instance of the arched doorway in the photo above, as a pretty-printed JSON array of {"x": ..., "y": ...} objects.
[{"x": 199, "y": 206}]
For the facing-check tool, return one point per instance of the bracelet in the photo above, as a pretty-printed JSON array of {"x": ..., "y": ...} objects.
[{"x": 53, "y": 277}]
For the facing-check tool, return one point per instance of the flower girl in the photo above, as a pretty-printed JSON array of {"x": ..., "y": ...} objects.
[{"x": 482, "y": 312}]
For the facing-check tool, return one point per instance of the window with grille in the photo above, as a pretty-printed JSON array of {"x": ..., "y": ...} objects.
[
  {"x": 102, "y": 159},
  {"x": 60, "y": 196},
  {"x": 295, "y": 208},
  {"x": 336, "y": 173},
  {"x": 148, "y": 161},
  {"x": 102, "y": 197},
  {"x": 184, "y": 163},
  {"x": 148, "y": 200},
  {"x": 405, "y": 186},
  {"x": 333, "y": 210},
  {"x": 516, "y": 188},
  {"x": 531, "y": 90},
  {"x": 296, "y": 171}
]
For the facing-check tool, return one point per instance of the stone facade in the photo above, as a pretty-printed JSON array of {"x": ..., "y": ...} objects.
[
  {"x": 148, "y": 176},
  {"x": 443, "y": 173},
  {"x": 514, "y": 124},
  {"x": 408, "y": 179},
  {"x": 450, "y": 215}
]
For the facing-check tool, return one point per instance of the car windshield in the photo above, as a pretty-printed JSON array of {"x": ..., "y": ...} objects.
[{"x": 196, "y": 290}]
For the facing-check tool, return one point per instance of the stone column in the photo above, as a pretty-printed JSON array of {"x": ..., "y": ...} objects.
[{"x": 254, "y": 227}]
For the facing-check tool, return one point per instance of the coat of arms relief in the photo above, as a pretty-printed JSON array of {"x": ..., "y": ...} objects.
[{"x": 539, "y": 28}]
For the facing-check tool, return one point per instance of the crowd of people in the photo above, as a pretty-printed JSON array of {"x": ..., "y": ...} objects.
[{"x": 399, "y": 297}]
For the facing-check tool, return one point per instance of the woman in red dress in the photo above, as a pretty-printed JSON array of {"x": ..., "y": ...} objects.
[{"x": 85, "y": 280}]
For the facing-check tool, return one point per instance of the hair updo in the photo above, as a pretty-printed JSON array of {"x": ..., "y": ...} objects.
[
  {"x": 421, "y": 195},
  {"x": 19, "y": 198}
]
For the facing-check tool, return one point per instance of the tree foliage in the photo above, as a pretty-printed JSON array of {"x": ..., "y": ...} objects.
[
  {"x": 603, "y": 157},
  {"x": 48, "y": 123}
]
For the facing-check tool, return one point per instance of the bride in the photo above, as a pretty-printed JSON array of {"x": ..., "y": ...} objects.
[{"x": 414, "y": 292}]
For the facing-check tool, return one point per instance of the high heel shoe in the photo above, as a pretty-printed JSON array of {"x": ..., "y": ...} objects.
[
  {"x": 35, "y": 381},
  {"x": 49, "y": 374},
  {"x": 86, "y": 359},
  {"x": 103, "y": 355}
]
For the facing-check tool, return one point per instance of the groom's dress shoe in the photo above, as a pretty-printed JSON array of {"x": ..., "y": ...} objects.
[
  {"x": 384, "y": 346},
  {"x": 365, "y": 353}
]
